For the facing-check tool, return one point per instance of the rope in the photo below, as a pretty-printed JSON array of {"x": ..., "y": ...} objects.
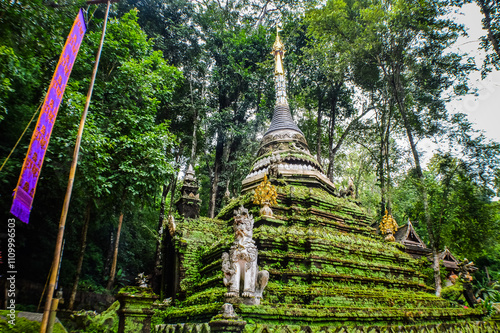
[{"x": 4, "y": 162}]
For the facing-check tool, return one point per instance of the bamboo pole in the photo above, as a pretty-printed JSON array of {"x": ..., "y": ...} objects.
[{"x": 62, "y": 222}]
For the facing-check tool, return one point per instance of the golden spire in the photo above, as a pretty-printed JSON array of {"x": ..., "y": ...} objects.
[
  {"x": 279, "y": 53},
  {"x": 279, "y": 72}
]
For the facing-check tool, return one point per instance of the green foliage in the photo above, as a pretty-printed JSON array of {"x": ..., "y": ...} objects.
[
  {"x": 105, "y": 322},
  {"x": 138, "y": 291},
  {"x": 343, "y": 59},
  {"x": 124, "y": 143},
  {"x": 463, "y": 217}
]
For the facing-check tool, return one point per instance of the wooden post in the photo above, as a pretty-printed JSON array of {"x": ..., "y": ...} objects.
[{"x": 52, "y": 316}]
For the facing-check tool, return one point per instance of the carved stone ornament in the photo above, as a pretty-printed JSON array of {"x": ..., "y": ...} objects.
[
  {"x": 142, "y": 280},
  {"x": 266, "y": 210},
  {"x": 244, "y": 282},
  {"x": 389, "y": 236},
  {"x": 227, "y": 311},
  {"x": 466, "y": 267}
]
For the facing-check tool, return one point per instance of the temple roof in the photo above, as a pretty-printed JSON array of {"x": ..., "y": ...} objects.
[
  {"x": 449, "y": 261},
  {"x": 407, "y": 235}
]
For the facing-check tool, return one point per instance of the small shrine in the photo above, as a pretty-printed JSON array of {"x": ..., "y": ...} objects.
[
  {"x": 407, "y": 235},
  {"x": 451, "y": 264},
  {"x": 449, "y": 261},
  {"x": 189, "y": 203}
]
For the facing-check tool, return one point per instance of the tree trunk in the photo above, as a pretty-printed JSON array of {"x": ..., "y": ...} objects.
[
  {"x": 112, "y": 273},
  {"x": 83, "y": 246},
  {"x": 109, "y": 256},
  {"x": 394, "y": 82},
  {"x": 425, "y": 200},
  {"x": 487, "y": 25},
  {"x": 469, "y": 294},
  {"x": 397, "y": 89},
  {"x": 387, "y": 168},
  {"x": 381, "y": 175},
  {"x": 195, "y": 124},
  {"x": 156, "y": 279},
  {"x": 166, "y": 249},
  {"x": 219, "y": 152},
  {"x": 437, "y": 271},
  {"x": 333, "y": 115},
  {"x": 319, "y": 130},
  {"x": 388, "y": 179}
]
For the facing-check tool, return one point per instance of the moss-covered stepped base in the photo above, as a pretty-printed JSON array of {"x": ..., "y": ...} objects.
[
  {"x": 328, "y": 315},
  {"x": 344, "y": 296},
  {"x": 335, "y": 316},
  {"x": 464, "y": 327},
  {"x": 326, "y": 265}
]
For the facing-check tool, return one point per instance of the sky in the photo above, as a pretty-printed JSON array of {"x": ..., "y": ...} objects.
[{"x": 483, "y": 109}]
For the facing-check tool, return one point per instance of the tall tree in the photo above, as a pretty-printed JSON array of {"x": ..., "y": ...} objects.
[
  {"x": 464, "y": 217},
  {"x": 407, "y": 42},
  {"x": 490, "y": 42},
  {"x": 126, "y": 149}
]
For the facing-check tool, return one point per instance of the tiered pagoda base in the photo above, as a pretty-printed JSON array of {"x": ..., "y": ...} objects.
[{"x": 328, "y": 271}]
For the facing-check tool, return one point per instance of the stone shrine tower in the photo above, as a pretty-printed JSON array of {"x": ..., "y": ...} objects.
[{"x": 189, "y": 203}]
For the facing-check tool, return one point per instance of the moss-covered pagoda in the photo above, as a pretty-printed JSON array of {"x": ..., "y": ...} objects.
[{"x": 325, "y": 267}]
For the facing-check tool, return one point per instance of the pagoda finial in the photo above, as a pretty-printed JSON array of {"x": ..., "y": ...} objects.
[
  {"x": 279, "y": 53},
  {"x": 279, "y": 72}
]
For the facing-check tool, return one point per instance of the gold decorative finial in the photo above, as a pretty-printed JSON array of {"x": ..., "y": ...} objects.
[
  {"x": 388, "y": 227},
  {"x": 279, "y": 54}
]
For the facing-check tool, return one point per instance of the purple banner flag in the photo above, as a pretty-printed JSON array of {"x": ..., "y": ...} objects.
[{"x": 26, "y": 186}]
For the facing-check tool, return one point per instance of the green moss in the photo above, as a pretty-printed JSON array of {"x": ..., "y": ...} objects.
[
  {"x": 133, "y": 290},
  {"x": 106, "y": 322},
  {"x": 23, "y": 325},
  {"x": 453, "y": 292},
  {"x": 326, "y": 265},
  {"x": 206, "y": 296},
  {"x": 234, "y": 204}
]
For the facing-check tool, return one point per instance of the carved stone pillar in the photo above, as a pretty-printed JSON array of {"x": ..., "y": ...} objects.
[
  {"x": 227, "y": 321},
  {"x": 135, "y": 311}
]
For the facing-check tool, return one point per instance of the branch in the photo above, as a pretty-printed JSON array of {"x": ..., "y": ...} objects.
[
  {"x": 348, "y": 129},
  {"x": 487, "y": 25}
]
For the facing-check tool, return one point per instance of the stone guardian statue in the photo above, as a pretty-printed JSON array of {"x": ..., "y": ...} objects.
[{"x": 244, "y": 282}]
